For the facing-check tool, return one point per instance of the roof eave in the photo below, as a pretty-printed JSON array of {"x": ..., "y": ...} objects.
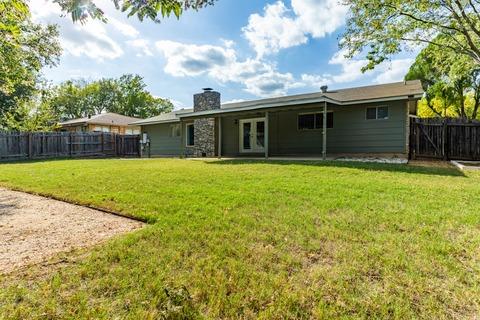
[
  {"x": 296, "y": 102},
  {"x": 153, "y": 122},
  {"x": 72, "y": 124}
]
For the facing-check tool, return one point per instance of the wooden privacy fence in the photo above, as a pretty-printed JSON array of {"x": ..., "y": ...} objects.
[
  {"x": 38, "y": 145},
  {"x": 446, "y": 139}
]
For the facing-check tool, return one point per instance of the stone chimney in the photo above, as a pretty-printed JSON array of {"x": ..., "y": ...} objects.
[
  {"x": 204, "y": 128},
  {"x": 207, "y": 100}
]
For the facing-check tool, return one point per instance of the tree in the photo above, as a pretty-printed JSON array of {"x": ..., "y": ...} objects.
[
  {"x": 386, "y": 27},
  {"x": 126, "y": 95},
  {"x": 135, "y": 101},
  {"x": 451, "y": 81},
  {"x": 32, "y": 115},
  {"x": 25, "y": 48},
  {"x": 12, "y": 13},
  {"x": 81, "y": 10}
]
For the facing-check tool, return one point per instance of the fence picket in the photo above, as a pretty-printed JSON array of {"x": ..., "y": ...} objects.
[
  {"x": 446, "y": 139},
  {"x": 40, "y": 145}
]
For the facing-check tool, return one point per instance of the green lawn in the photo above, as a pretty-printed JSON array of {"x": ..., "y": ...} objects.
[{"x": 260, "y": 240}]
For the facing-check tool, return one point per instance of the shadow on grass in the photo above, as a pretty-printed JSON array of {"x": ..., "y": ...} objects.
[
  {"x": 59, "y": 159},
  {"x": 370, "y": 166}
]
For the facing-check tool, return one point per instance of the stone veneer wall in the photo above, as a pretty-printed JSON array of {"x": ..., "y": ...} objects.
[{"x": 204, "y": 129}]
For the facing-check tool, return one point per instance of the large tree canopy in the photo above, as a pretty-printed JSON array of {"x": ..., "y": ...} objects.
[
  {"x": 80, "y": 10},
  {"x": 126, "y": 95},
  {"x": 25, "y": 48},
  {"x": 385, "y": 27},
  {"x": 451, "y": 82}
]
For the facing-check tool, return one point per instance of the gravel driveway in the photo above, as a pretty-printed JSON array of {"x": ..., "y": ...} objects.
[{"x": 34, "y": 228}]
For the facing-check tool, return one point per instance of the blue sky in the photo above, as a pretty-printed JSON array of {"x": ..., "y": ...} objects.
[{"x": 244, "y": 49}]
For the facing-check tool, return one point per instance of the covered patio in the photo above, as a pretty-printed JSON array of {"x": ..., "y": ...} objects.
[{"x": 256, "y": 133}]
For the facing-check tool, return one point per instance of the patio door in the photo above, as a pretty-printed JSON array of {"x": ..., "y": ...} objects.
[{"x": 252, "y": 135}]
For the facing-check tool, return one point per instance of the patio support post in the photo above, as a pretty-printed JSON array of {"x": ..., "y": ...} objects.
[
  {"x": 324, "y": 149},
  {"x": 266, "y": 134},
  {"x": 219, "y": 137}
]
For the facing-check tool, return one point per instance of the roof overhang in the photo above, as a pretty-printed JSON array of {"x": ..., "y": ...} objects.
[
  {"x": 146, "y": 123},
  {"x": 219, "y": 112},
  {"x": 74, "y": 124}
]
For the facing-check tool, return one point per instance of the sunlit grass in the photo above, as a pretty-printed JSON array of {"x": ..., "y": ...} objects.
[{"x": 253, "y": 239}]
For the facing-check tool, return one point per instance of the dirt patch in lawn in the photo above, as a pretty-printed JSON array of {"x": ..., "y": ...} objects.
[
  {"x": 431, "y": 164},
  {"x": 34, "y": 228}
]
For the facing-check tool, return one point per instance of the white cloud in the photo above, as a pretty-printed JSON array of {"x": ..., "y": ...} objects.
[
  {"x": 274, "y": 30},
  {"x": 388, "y": 71},
  {"x": 315, "y": 80},
  {"x": 193, "y": 60},
  {"x": 350, "y": 71},
  {"x": 124, "y": 28},
  {"x": 319, "y": 17},
  {"x": 178, "y": 105},
  {"x": 221, "y": 63},
  {"x": 394, "y": 71},
  {"x": 279, "y": 28},
  {"x": 234, "y": 101},
  {"x": 142, "y": 46},
  {"x": 93, "y": 39}
]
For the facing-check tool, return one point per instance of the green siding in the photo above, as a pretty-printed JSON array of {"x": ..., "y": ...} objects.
[
  {"x": 351, "y": 133},
  {"x": 161, "y": 141}
]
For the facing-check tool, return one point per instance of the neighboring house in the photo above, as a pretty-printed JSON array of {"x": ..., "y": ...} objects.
[
  {"x": 359, "y": 121},
  {"x": 104, "y": 122}
]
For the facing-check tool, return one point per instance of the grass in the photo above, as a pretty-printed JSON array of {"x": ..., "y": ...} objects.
[{"x": 253, "y": 239}]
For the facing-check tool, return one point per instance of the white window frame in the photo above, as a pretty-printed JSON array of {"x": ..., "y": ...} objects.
[
  {"x": 376, "y": 113},
  {"x": 186, "y": 134},
  {"x": 314, "y": 121}
]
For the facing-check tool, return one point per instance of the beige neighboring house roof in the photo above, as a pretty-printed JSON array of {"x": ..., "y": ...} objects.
[
  {"x": 170, "y": 117},
  {"x": 376, "y": 93},
  {"x": 109, "y": 119}
]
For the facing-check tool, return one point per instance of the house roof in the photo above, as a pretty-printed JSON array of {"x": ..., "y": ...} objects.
[
  {"x": 376, "y": 93},
  {"x": 108, "y": 118},
  {"x": 170, "y": 117}
]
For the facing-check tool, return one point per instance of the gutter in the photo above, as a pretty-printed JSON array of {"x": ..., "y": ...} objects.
[
  {"x": 274, "y": 105},
  {"x": 294, "y": 102},
  {"x": 153, "y": 122}
]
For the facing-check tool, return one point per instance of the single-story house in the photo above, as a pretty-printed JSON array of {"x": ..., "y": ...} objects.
[
  {"x": 372, "y": 120},
  {"x": 103, "y": 122}
]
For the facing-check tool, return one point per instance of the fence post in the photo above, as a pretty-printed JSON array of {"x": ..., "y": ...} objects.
[
  {"x": 102, "y": 142},
  {"x": 70, "y": 144},
  {"x": 115, "y": 144},
  {"x": 417, "y": 140},
  {"x": 444, "y": 140},
  {"x": 139, "y": 146},
  {"x": 30, "y": 145}
]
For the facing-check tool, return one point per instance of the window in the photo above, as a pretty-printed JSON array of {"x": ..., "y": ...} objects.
[
  {"x": 175, "y": 130},
  {"x": 319, "y": 120},
  {"x": 377, "y": 113},
  {"x": 311, "y": 121},
  {"x": 130, "y": 131},
  {"x": 190, "y": 135},
  {"x": 382, "y": 113},
  {"x": 306, "y": 121}
]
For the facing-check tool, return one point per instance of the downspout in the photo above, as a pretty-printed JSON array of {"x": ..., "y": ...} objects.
[{"x": 324, "y": 150}]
